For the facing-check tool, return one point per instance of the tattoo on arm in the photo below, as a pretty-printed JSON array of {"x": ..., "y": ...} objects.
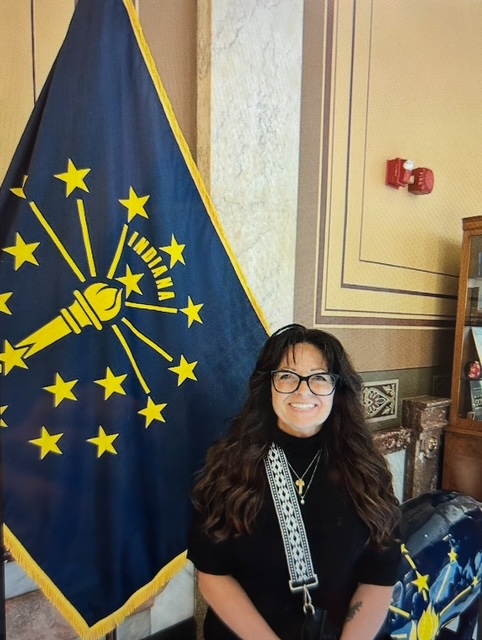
[{"x": 353, "y": 610}]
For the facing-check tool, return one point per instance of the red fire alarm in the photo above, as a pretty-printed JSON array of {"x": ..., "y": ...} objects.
[
  {"x": 399, "y": 172},
  {"x": 423, "y": 181}
]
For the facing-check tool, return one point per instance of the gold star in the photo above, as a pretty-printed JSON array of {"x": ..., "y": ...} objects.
[
  {"x": 192, "y": 311},
  {"x": 452, "y": 554},
  {"x": 175, "y": 251},
  {"x": 19, "y": 191},
  {"x": 153, "y": 412},
  {"x": 62, "y": 390},
  {"x": 131, "y": 281},
  {"x": 476, "y": 581},
  {"x": 135, "y": 205},
  {"x": 47, "y": 443},
  {"x": 184, "y": 370},
  {"x": 112, "y": 383},
  {"x": 23, "y": 252},
  {"x": 421, "y": 582},
  {"x": 2, "y": 411},
  {"x": 73, "y": 178},
  {"x": 13, "y": 357},
  {"x": 104, "y": 442},
  {"x": 3, "y": 302}
]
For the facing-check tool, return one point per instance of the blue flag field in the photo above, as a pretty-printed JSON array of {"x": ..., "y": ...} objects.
[{"x": 127, "y": 330}]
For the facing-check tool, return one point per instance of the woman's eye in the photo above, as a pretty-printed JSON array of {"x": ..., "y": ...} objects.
[
  {"x": 321, "y": 377},
  {"x": 284, "y": 375}
]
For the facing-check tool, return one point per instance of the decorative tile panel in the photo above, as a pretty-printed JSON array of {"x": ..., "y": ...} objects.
[{"x": 380, "y": 399}]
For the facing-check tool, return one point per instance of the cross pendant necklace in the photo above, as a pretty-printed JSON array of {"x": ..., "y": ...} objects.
[{"x": 300, "y": 481}]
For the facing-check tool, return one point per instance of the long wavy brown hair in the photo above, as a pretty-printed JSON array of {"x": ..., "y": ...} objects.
[{"x": 231, "y": 489}]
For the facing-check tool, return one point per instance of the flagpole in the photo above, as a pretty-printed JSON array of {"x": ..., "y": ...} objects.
[{"x": 112, "y": 635}]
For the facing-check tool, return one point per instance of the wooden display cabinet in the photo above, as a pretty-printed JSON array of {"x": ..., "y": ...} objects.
[{"x": 462, "y": 465}]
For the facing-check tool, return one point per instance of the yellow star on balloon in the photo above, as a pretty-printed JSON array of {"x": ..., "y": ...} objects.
[
  {"x": 61, "y": 389},
  {"x": 131, "y": 281},
  {"x": 184, "y": 370},
  {"x": 452, "y": 554},
  {"x": 135, "y": 205},
  {"x": 112, "y": 383},
  {"x": 47, "y": 443},
  {"x": 175, "y": 251},
  {"x": 22, "y": 252},
  {"x": 421, "y": 582},
  {"x": 20, "y": 191},
  {"x": 3, "y": 302},
  {"x": 2, "y": 411},
  {"x": 73, "y": 178},
  {"x": 153, "y": 411},
  {"x": 13, "y": 357},
  {"x": 104, "y": 442},
  {"x": 192, "y": 311}
]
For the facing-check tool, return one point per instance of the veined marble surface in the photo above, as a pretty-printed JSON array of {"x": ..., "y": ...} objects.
[
  {"x": 256, "y": 89},
  {"x": 396, "y": 462}
]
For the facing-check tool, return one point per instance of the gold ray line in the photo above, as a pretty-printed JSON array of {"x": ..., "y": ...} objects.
[
  {"x": 58, "y": 243},
  {"x": 130, "y": 355},
  {"x": 118, "y": 253},
  {"x": 410, "y": 561},
  {"x": 145, "y": 339},
  {"x": 400, "y": 612},
  {"x": 458, "y": 597},
  {"x": 86, "y": 236},
  {"x": 444, "y": 582},
  {"x": 150, "y": 307}
]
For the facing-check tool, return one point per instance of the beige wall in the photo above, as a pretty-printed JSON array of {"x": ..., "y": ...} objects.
[
  {"x": 387, "y": 79},
  {"x": 30, "y": 36},
  {"x": 170, "y": 30}
]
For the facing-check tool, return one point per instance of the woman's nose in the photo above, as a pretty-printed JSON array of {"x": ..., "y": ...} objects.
[{"x": 305, "y": 388}]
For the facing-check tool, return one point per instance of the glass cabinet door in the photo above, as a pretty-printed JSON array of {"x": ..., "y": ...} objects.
[{"x": 470, "y": 372}]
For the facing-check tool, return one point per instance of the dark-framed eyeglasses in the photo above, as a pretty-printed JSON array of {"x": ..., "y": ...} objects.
[{"x": 320, "y": 384}]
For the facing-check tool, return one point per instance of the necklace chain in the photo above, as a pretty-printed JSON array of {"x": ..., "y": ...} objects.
[{"x": 300, "y": 482}]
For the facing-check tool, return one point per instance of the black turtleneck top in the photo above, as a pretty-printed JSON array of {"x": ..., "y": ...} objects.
[{"x": 341, "y": 554}]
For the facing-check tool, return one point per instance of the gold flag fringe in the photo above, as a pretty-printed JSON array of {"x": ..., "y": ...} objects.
[
  {"x": 73, "y": 617},
  {"x": 208, "y": 203}
]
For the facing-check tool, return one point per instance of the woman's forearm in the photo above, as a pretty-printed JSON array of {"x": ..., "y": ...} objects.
[
  {"x": 367, "y": 611},
  {"x": 231, "y": 603}
]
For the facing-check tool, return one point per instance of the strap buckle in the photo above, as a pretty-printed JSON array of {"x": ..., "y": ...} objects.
[{"x": 303, "y": 585}]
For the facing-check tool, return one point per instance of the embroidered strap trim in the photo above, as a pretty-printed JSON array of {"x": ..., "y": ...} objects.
[{"x": 295, "y": 541}]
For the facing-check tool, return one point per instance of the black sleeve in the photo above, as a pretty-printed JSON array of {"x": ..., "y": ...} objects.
[
  {"x": 207, "y": 555},
  {"x": 380, "y": 567}
]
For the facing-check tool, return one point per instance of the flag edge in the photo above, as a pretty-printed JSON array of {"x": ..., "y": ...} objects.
[{"x": 67, "y": 609}]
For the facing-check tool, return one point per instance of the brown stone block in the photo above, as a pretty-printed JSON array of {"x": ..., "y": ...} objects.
[{"x": 426, "y": 417}]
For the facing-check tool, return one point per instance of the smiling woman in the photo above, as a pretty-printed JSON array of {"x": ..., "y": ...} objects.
[{"x": 299, "y": 464}]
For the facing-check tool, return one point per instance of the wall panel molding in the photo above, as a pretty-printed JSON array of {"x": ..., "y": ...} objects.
[{"x": 370, "y": 255}]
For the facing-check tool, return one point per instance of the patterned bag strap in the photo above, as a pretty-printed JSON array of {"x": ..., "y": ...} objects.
[{"x": 293, "y": 532}]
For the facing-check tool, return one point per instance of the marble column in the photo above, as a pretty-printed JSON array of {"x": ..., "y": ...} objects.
[{"x": 426, "y": 416}]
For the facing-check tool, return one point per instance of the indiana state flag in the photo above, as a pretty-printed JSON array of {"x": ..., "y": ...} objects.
[{"x": 127, "y": 331}]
